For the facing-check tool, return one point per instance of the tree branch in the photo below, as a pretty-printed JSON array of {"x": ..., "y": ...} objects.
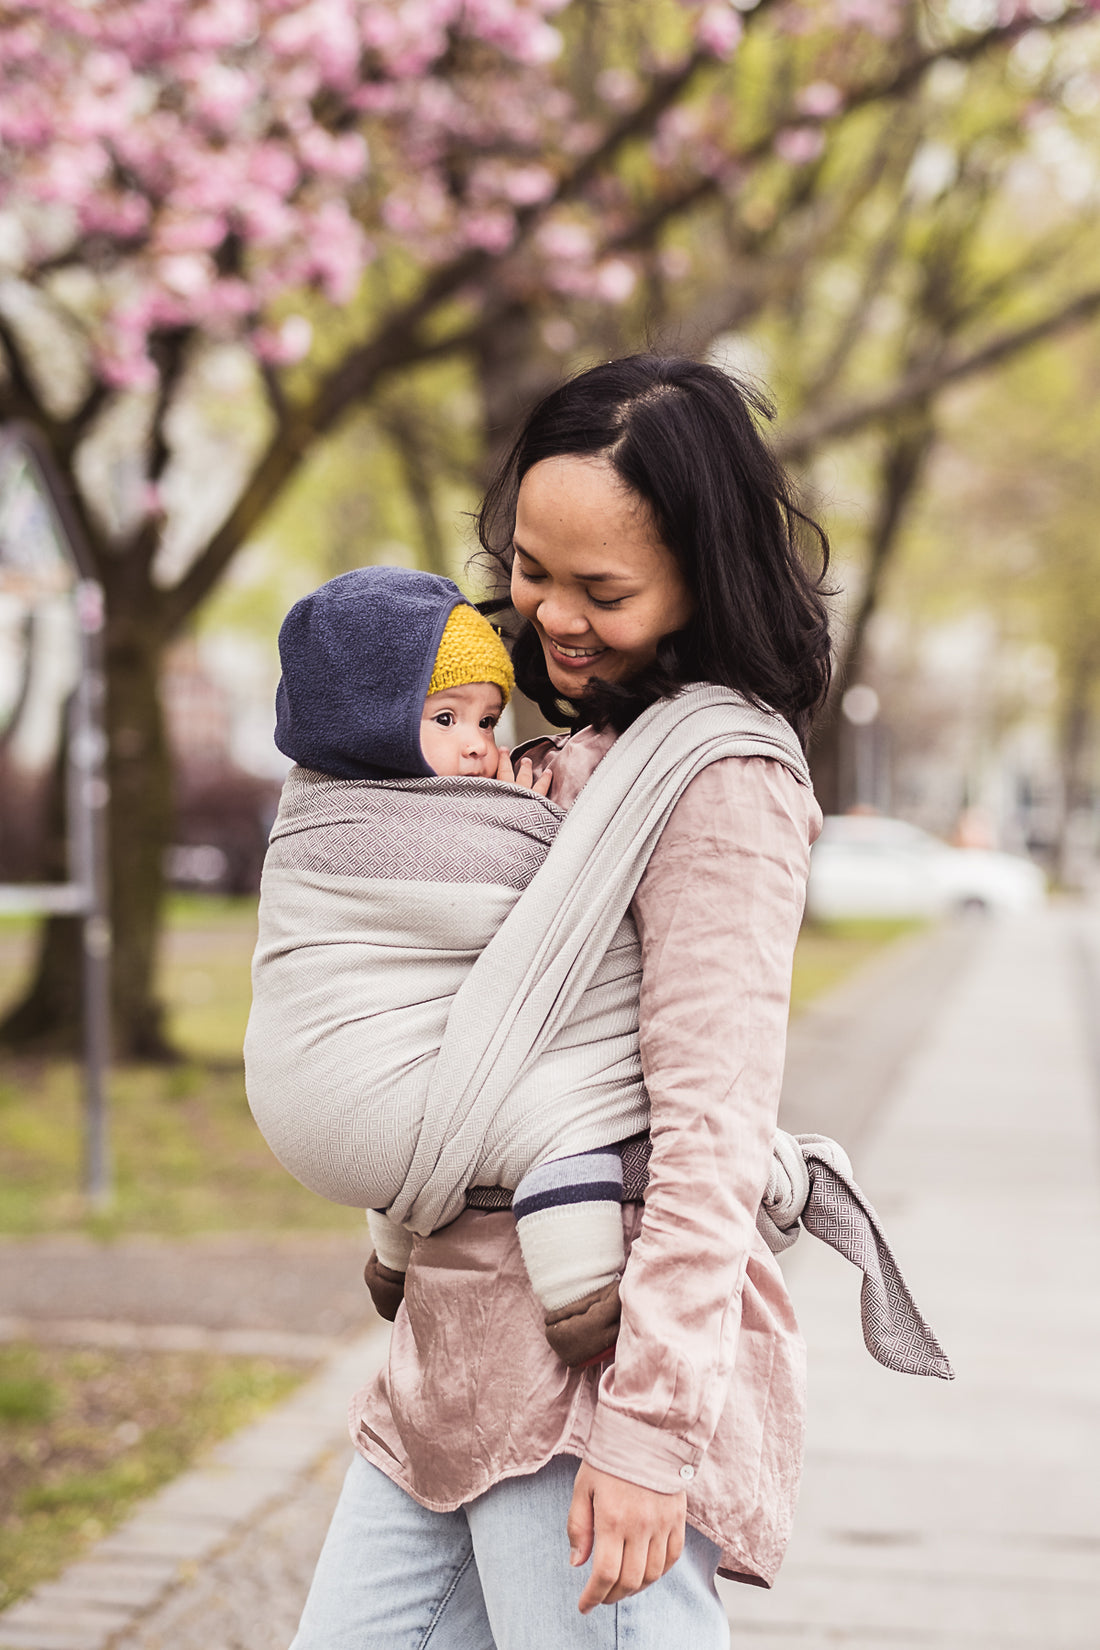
[
  {"x": 643, "y": 232},
  {"x": 404, "y": 432},
  {"x": 395, "y": 342},
  {"x": 804, "y": 435},
  {"x": 24, "y": 396},
  {"x": 169, "y": 352}
]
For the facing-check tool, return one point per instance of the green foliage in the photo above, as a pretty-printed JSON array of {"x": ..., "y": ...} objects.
[{"x": 25, "y": 1398}]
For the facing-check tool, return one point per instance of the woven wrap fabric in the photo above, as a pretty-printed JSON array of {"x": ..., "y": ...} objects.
[
  {"x": 445, "y": 985},
  {"x": 811, "y": 1186},
  {"x": 895, "y": 1330},
  {"x": 528, "y": 984},
  {"x": 377, "y": 897}
]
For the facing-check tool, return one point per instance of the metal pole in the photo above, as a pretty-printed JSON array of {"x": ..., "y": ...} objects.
[{"x": 89, "y": 753}]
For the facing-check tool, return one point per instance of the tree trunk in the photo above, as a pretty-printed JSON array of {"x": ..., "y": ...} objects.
[
  {"x": 1074, "y": 742},
  {"x": 900, "y": 470},
  {"x": 824, "y": 754},
  {"x": 48, "y": 1019},
  {"x": 514, "y": 370}
]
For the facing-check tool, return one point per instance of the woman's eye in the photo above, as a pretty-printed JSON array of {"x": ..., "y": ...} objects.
[
  {"x": 530, "y": 578},
  {"x": 617, "y": 601}
]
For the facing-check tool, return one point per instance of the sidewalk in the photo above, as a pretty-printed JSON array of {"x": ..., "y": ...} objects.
[
  {"x": 966, "y": 1516},
  {"x": 959, "y": 1516}
]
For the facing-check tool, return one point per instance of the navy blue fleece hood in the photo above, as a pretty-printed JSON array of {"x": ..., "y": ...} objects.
[{"x": 357, "y": 657}]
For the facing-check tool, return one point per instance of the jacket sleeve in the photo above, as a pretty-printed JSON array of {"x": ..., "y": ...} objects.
[{"x": 718, "y": 913}]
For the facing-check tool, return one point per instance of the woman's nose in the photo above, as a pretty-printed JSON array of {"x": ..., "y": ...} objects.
[{"x": 560, "y": 616}]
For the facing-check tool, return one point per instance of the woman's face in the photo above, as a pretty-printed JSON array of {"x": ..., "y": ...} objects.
[{"x": 591, "y": 573}]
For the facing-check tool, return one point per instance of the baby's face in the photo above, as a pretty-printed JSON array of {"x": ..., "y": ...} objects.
[{"x": 458, "y": 730}]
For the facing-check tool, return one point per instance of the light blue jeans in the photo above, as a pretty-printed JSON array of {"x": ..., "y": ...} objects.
[{"x": 494, "y": 1575}]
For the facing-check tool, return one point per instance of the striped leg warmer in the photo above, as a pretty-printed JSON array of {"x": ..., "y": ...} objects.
[{"x": 569, "y": 1220}]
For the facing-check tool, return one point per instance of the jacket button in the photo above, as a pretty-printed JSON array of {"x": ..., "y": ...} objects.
[{"x": 687, "y": 1473}]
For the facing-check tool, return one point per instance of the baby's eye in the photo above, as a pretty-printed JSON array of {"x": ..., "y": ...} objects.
[
  {"x": 445, "y": 718},
  {"x": 489, "y": 721}
]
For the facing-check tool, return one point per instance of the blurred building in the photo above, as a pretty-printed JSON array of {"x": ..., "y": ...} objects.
[
  {"x": 966, "y": 740},
  {"x": 223, "y": 810}
]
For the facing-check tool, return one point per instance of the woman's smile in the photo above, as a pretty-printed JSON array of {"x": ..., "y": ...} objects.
[
  {"x": 573, "y": 657},
  {"x": 592, "y": 574}
]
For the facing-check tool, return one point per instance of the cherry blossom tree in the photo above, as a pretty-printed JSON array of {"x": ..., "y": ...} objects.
[{"x": 339, "y": 190}]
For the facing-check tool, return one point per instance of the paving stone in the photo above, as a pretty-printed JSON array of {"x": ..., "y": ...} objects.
[
  {"x": 58, "y": 1611},
  {"x": 965, "y": 1515},
  {"x": 97, "y": 1582},
  {"x": 78, "y": 1633}
]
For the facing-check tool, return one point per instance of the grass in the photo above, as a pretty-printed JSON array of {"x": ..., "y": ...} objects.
[
  {"x": 188, "y": 1157},
  {"x": 85, "y": 1434},
  {"x": 828, "y": 952}
]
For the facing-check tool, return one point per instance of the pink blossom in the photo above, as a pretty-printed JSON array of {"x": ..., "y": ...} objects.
[
  {"x": 185, "y": 274},
  {"x": 819, "y": 100},
  {"x": 120, "y": 216},
  {"x": 615, "y": 281},
  {"x": 271, "y": 167},
  {"x": 172, "y": 133},
  {"x": 798, "y": 145},
  {"x": 286, "y": 344},
  {"x": 528, "y": 185},
  {"x": 339, "y": 251},
  {"x": 229, "y": 299},
  {"x": 491, "y": 231},
  {"x": 190, "y": 232},
  {"x": 617, "y": 87},
  {"x": 881, "y": 17},
  {"x": 224, "y": 94},
  {"x": 719, "y": 29},
  {"x": 265, "y": 217},
  {"x": 565, "y": 242},
  {"x": 342, "y": 157},
  {"x": 68, "y": 171}
]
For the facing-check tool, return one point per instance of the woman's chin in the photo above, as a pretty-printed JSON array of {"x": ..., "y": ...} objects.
[{"x": 571, "y": 684}]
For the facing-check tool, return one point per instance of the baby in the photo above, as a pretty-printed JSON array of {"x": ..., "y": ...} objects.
[{"x": 392, "y": 682}]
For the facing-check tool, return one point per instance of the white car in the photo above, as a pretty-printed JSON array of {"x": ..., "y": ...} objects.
[{"x": 866, "y": 866}]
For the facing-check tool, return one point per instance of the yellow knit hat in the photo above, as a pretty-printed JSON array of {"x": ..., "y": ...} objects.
[{"x": 471, "y": 651}]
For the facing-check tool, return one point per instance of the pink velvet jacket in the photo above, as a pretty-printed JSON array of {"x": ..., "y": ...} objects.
[{"x": 706, "y": 1392}]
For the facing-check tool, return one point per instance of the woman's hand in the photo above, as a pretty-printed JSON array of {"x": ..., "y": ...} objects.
[
  {"x": 523, "y": 775},
  {"x": 634, "y": 1535}
]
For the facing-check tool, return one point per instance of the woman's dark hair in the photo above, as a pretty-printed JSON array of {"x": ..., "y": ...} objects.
[{"x": 681, "y": 435}]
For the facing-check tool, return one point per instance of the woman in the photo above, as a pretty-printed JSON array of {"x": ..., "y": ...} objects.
[{"x": 651, "y": 541}]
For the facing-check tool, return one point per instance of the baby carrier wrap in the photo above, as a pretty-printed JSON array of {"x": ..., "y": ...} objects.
[{"x": 445, "y": 986}]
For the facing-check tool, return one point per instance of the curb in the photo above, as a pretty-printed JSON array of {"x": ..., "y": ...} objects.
[
  {"x": 132, "y": 1570},
  {"x": 169, "y": 1337}
]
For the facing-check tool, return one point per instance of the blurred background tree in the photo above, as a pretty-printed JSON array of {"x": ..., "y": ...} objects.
[{"x": 284, "y": 274}]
